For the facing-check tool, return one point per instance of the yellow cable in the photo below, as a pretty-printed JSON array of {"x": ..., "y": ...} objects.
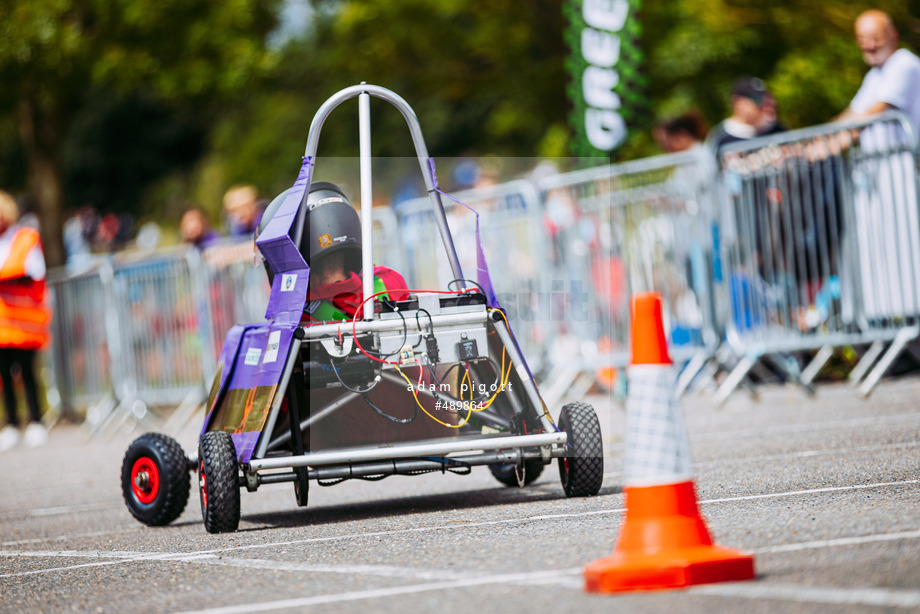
[{"x": 422, "y": 407}]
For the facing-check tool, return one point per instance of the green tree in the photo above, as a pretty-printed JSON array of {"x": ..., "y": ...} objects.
[
  {"x": 483, "y": 77},
  {"x": 55, "y": 53},
  {"x": 804, "y": 50}
]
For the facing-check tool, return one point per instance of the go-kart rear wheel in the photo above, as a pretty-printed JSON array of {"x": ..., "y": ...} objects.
[
  {"x": 508, "y": 473},
  {"x": 155, "y": 479},
  {"x": 582, "y": 468},
  {"x": 218, "y": 482}
]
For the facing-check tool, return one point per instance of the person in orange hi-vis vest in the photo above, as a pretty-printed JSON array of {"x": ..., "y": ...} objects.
[{"x": 24, "y": 320}]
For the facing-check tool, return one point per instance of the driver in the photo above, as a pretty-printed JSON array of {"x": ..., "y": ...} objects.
[{"x": 331, "y": 246}]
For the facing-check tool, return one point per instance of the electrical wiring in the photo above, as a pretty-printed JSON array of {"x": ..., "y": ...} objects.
[
  {"x": 360, "y": 309},
  {"x": 447, "y": 464},
  {"x": 430, "y": 321},
  {"x": 346, "y": 386},
  {"x": 457, "y": 281},
  {"x": 422, "y": 407},
  {"x": 501, "y": 373},
  {"x": 438, "y": 386},
  {"x": 383, "y": 414},
  {"x": 546, "y": 413}
]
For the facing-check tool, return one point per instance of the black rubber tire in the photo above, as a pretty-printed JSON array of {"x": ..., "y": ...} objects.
[
  {"x": 582, "y": 469},
  {"x": 158, "y": 502},
  {"x": 507, "y": 475},
  {"x": 218, "y": 482}
]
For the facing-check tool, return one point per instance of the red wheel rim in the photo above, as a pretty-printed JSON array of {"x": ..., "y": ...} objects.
[
  {"x": 145, "y": 480},
  {"x": 203, "y": 485}
]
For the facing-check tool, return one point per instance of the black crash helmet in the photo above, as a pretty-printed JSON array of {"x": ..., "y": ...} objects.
[{"x": 331, "y": 224}]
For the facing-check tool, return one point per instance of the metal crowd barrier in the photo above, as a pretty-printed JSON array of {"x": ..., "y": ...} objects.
[
  {"x": 78, "y": 358},
  {"x": 645, "y": 225},
  {"x": 821, "y": 242},
  {"x": 801, "y": 243},
  {"x": 511, "y": 228},
  {"x": 141, "y": 330}
]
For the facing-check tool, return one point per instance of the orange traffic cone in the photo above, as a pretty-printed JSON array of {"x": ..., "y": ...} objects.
[{"x": 664, "y": 542}]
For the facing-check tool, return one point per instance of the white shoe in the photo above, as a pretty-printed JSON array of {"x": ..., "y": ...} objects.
[
  {"x": 36, "y": 435},
  {"x": 9, "y": 437}
]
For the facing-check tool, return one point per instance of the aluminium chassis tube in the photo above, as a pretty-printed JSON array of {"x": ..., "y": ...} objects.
[
  {"x": 292, "y": 358},
  {"x": 331, "y": 408},
  {"x": 381, "y": 326},
  {"x": 405, "y": 466},
  {"x": 421, "y": 151},
  {"x": 521, "y": 367},
  {"x": 316, "y": 459}
]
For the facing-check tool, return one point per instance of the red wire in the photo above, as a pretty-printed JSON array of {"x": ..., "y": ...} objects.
[{"x": 354, "y": 320}]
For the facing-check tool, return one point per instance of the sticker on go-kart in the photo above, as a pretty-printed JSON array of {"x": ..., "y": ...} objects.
[
  {"x": 245, "y": 397},
  {"x": 271, "y": 350},
  {"x": 288, "y": 282}
]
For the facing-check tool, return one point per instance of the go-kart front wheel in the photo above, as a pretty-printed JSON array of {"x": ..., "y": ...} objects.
[
  {"x": 155, "y": 479},
  {"x": 218, "y": 482},
  {"x": 582, "y": 468}
]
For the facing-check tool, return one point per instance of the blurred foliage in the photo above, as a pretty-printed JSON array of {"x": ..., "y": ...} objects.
[
  {"x": 488, "y": 78},
  {"x": 60, "y": 58},
  {"x": 152, "y": 105},
  {"x": 803, "y": 49},
  {"x": 484, "y": 78}
]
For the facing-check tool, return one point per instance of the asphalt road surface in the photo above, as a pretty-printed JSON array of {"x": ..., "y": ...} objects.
[{"x": 824, "y": 491}]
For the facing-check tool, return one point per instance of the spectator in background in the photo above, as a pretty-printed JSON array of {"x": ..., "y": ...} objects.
[
  {"x": 244, "y": 208},
  {"x": 24, "y": 320},
  {"x": 681, "y": 133},
  {"x": 749, "y": 119},
  {"x": 196, "y": 230},
  {"x": 113, "y": 232},
  {"x": 893, "y": 81},
  {"x": 769, "y": 117}
]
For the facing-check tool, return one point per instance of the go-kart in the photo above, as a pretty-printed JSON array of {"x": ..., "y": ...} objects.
[{"x": 434, "y": 382}]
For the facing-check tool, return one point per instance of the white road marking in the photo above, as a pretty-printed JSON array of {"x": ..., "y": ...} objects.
[
  {"x": 840, "y": 541},
  {"x": 793, "y": 493},
  {"x": 880, "y": 597},
  {"x": 536, "y": 576},
  {"x": 59, "y": 538},
  {"x": 805, "y": 454},
  {"x": 203, "y": 554},
  {"x": 705, "y": 434}
]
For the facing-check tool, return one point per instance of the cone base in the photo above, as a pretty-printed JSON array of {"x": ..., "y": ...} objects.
[{"x": 675, "y": 568}]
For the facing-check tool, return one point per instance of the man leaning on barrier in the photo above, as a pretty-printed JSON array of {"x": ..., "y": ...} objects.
[{"x": 893, "y": 81}]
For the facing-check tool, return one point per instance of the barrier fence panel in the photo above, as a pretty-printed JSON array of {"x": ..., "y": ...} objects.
[
  {"x": 79, "y": 353},
  {"x": 511, "y": 226},
  {"x": 236, "y": 289},
  {"x": 820, "y": 238},
  {"x": 160, "y": 349},
  {"x": 388, "y": 240},
  {"x": 645, "y": 225},
  {"x": 804, "y": 241}
]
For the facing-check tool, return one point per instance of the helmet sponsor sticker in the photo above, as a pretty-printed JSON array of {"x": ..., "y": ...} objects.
[
  {"x": 325, "y": 241},
  {"x": 312, "y": 306},
  {"x": 331, "y": 199},
  {"x": 341, "y": 239},
  {"x": 288, "y": 282}
]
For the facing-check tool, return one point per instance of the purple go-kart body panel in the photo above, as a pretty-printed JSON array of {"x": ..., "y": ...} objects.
[{"x": 253, "y": 356}]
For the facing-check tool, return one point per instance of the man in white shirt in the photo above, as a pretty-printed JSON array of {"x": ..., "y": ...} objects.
[
  {"x": 886, "y": 233},
  {"x": 893, "y": 82}
]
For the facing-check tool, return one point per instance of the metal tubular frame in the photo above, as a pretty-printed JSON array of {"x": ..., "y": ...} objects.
[
  {"x": 879, "y": 302},
  {"x": 435, "y": 448},
  {"x": 421, "y": 150},
  {"x": 110, "y": 393}
]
